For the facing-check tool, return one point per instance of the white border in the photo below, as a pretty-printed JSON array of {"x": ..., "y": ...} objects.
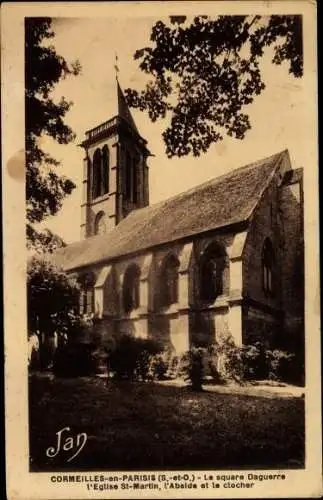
[{"x": 21, "y": 483}]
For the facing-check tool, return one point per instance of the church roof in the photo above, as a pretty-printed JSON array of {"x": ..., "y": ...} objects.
[{"x": 221, "y": 202}]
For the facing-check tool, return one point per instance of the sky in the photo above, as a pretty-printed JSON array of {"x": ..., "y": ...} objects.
[{"x": 278, "y": 116}]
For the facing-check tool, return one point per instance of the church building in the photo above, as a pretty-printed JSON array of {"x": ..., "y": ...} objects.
[{"x": 223, "y": 258}]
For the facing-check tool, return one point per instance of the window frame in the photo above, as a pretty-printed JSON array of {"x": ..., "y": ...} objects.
[
  {"x": 99, "y": 216},
  {"x": 131, "y": 288},
  {"x": 97, "y": 173},
  {"x": 210, "y": 289},
  {"x": 86, "y": 284},
  {"x": 128, "y": 177},
  {"x": 267, "y": 267},
  {"x": 105, "y": 170},
  {"x": 169, "y": 281}
]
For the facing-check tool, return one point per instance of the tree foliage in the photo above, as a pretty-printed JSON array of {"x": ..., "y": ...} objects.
[
  {"x": 206, "y": 72},
  {"x": 52, "y": 300},
  {"x": 44, "y": 68},
  {"x": 45, "y": 241}
]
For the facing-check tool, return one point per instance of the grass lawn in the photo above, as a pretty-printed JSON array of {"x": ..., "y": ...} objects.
[{"x": 149, "y": 426}]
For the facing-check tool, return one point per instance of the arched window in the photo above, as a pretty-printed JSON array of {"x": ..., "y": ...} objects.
[
  {"x": 86, "y": 302},
  {"x": 212, "y": 265},
  {"x": 105, "y": 169},
  {"x": 128, "y": 175},
  {"x": 97, "y": 173},
  {"x": 268, "y": 261},
  {"x": 99, "y": 225},
  {"x": 169, "y": 281},
  {"x": 134, "y": 180},
  {"x": 131, "y": 288}
]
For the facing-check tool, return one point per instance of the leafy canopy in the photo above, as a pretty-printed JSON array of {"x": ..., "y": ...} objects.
[
  {"x": 44, "y": 68},
  {"x": 52, "y": 300},
  {"x": 205, "y": 73},
  {"x": 45, "y": 241}
]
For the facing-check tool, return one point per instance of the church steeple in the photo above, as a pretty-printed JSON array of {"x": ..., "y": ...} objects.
[
  {"x": 115, "y": 171},
  {"x": 123, "y": 109}
]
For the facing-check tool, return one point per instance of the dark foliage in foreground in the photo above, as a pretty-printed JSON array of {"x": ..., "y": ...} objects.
[
  {"x": 130, "y": 357},
  {"x": 149, "y": 426},
  {"x": 44, "y": 69},
  {"x": 203, "y": 73},
  {"x": 51, "y": 298},
  {"x": 74, "y": 360}
]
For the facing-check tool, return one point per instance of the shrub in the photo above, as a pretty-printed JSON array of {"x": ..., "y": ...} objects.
[
  {"x": 295, "y": 372},
  {"x": 122, "y": 357},
  {"x": 279, "y": 364},
  {"x": 191, "y": 366},
  {"x": 74, "y": 360},
  {"x": 213, "y": 365},
  {"x": 130, "y": 357},
  {"x": 147, "y": 349},
  {"x": 233, "y": 368},
  {"x": 250, "y": 362},
  {"x": 159, "y": 367},
  {"x": 226, "y": 361},
  {"x": 254, "y": 361},
  {"x": 196, "y": 371},
  {"x": 180, "y": 365},
  {"x": 231, "y": 362}
]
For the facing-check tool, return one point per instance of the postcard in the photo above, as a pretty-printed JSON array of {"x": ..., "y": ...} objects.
[{"x": 161, "y": 250}]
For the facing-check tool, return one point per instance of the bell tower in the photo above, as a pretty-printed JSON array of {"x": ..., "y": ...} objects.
[{"x": 115, "y": 171}]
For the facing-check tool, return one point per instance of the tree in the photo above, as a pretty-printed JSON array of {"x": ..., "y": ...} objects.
[
  {"x": 44, "y": 68},
  {"x": 206, "y": 72},
  {"x": 52, "y": 299},
  {"x": 52, "y": 307},
  {"x": 45, "y": 241}
]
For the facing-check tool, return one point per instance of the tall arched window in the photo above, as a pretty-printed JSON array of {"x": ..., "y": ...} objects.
[
  {"x": 105, "y": 169},
  {"x": 134, "y": 180},
  {"x": 128, "y": 177},
  {"x": 169, "y": 281},
  {"x": 86, "y": 282},
  {"x": 131, "y": 288},
  {"x": 268, "y": 261},
  {"x": 97, "y": 173},
  {"x": 99, "y": 225},
  {"x": 212, "y": 265}
]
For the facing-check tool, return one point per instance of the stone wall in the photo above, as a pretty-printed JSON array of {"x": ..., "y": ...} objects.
[
  {"x": 244, "y": 309},
  {"x": 279, "y": 218},
  {"x": 107, "y": 203},
  {"x": 190, "y": 320},
  {"x": 291, "y": 221},
  {"x": 262, "y": 309}
]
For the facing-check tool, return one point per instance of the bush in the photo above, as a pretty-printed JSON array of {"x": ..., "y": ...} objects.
[
  {"x": 75, "y": 360},
  {"x": 279, "y": 364},
  {"x": 254, "y": 361},
  {"x": 159, "y": 367},
  {"x": 134, "y": 358},
  {"x": 190, "y": 365},
  {"x": 147, "y": 348},
  {"x": 250, "y": 362},
  {"x": 296, "y": 370},
  {"x": 130, "y": 357},
  {"x": 168, "y": 366},
  {"x": 226, "y": 361}
]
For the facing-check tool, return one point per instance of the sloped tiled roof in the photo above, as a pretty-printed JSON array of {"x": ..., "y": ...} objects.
[{"x": 225, "y": 200}]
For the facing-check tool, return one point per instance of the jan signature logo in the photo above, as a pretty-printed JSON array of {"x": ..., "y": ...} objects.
[{"x": 67, "y": 444}]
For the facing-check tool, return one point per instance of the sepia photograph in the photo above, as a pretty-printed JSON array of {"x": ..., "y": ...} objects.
[{"x": 169, "y": 158}]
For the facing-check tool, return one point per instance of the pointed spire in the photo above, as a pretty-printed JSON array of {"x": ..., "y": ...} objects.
[{"x": 123, "y": 109}]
